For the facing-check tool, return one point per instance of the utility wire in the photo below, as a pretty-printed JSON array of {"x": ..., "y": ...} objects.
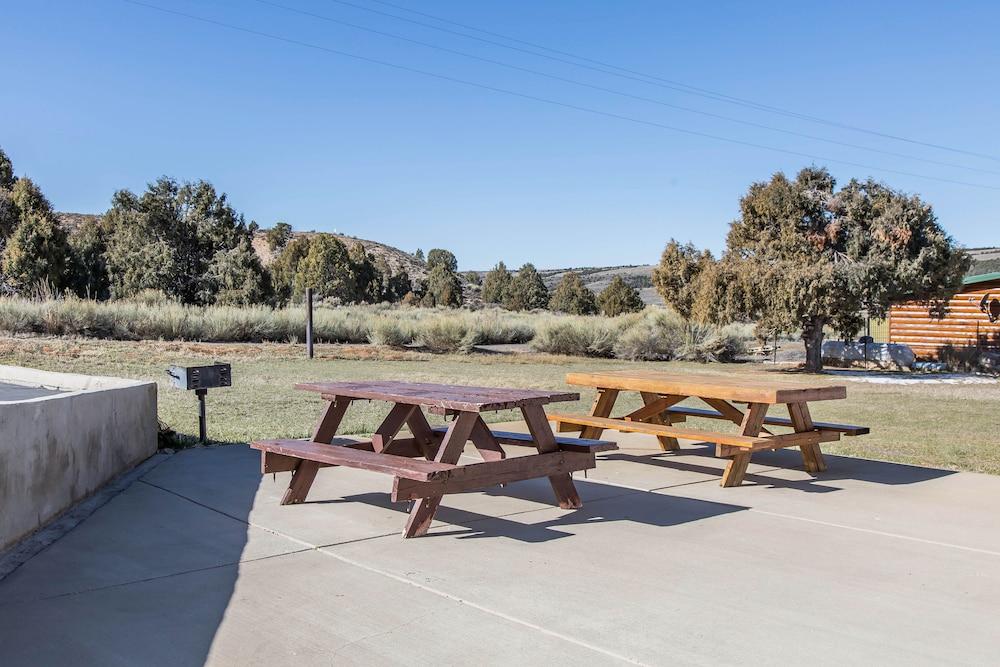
[
  {"x": 613, "y": 91},
  {"x": 634, "y": 75},
  {"x": 567, "y": 105}
]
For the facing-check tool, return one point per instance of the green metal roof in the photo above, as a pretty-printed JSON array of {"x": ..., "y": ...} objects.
[{"x": 984, "y": 278}]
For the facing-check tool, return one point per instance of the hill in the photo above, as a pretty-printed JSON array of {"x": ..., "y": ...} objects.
[{"x": 394, "y": 257}]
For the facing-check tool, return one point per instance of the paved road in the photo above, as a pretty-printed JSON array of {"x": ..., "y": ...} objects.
[{"x": 197, "y": 563}]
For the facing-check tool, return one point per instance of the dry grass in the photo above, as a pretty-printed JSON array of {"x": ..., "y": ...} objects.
[{"x": 945, "y": 426}]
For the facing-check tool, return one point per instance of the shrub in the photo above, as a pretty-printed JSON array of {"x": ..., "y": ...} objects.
[
  {"x": 581, "y": 337},
  {"x": 441, "y": 334},
  {"x": 391, "y": 332}
]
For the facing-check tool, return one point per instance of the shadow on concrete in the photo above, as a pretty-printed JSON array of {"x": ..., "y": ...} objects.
[
  {"x": 838, "y": 468},
  {"x": 643, "y": 507}
]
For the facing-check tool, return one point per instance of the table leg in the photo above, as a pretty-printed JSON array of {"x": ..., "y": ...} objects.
[
  {"x": 422, "y": 433},
  {"x": 604, "y": 402},
  {"x": 391, "y": 425},
  {"x": 545, "y": 441},
  {"x": 812, "y": 456},
  {"x": 305, "y": 472},
  {"x": 449, "y": 451},
  {"x": 667, "y": 443},
  {"x": 753, "y": 422}
]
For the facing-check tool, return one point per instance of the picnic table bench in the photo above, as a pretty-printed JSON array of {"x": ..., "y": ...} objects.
[
  {"x": 661, "y": 393},
  {"x": 425, "y": 465}
]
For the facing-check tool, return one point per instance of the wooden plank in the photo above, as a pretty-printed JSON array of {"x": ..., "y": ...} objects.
[
  {"x": 604, "y": 403},
  {"x": 653, "y": 406},
  {"x": 565, "y": 444},
  {"x": 391, "y": 425},
  {"x": 652, "y": 412},
  {"x": 448, "y": 453},
  {"x": 302, "y": 479},
  {"x": 441, "y": 396},
  {"x": 329, "y": 422},
  {"x": 271, "y": 462},
  {"x": 753, "y": 420},
  {"x": 812, "y": 456},
  {"x": 749, "y": 390},
  {"x": 545, "y": 441},
  {"x": 846, "y": 429},
  {"x": 423, "y": 434},
  {"x": 317, "y": 452},
  {"x": 491, "y": 473},
  {"x": 486, "y": 444},
  {"x": 698, "y": 435}
]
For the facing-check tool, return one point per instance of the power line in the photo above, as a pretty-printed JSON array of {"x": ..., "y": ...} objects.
[
  {"x": 567, "y": 105},
  {"x": 613, "y": 91},
  {"x": 651, "y": 79}
]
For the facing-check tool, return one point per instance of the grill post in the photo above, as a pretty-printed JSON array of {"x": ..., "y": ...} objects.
[
  {"x": 309, "y": 322},
  {"x": 202, "y": 419}
]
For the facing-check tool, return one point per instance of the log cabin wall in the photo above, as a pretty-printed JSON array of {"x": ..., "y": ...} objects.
[{"x": 971, "y": 319}]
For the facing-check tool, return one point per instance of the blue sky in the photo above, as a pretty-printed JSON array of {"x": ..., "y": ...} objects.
[{"x": 105, "y": 94}]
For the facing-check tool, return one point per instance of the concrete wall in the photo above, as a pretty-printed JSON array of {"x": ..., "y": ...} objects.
[{"x": 58, "y": 449}]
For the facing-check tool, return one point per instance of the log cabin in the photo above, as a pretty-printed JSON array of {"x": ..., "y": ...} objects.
[{"x": 970, "y": 320}]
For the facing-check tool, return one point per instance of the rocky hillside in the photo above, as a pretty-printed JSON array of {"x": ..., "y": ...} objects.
[
  {"x": 596, "y": 278},
  {"x": 394, "y": 257}
]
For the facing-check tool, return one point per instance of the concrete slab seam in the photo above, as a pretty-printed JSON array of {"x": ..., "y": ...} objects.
[{"x": 61, "y": 525}]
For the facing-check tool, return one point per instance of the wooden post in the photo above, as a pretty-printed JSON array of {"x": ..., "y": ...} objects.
[{"x": 309, "y": 321}]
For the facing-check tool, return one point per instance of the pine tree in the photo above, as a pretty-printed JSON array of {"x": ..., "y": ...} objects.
[{"x": 619, "y": 298}]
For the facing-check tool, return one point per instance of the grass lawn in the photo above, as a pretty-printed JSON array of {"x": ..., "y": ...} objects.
[{"x": 947, "y": 426}]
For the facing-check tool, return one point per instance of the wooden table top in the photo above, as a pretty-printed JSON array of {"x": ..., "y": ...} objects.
[
  {"x": 442, "y": 396},
  {"x": 742, "y": 389}
]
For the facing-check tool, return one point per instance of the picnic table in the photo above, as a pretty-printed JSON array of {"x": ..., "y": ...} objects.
[
  {"x": 425, "y": 464},
  {"x": 662, "y": 392}
]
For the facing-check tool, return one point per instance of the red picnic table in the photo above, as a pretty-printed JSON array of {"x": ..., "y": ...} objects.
[{"x": 425, "y": 464}]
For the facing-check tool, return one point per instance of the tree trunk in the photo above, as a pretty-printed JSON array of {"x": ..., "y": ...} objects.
[{"x": 812, "y": 335}]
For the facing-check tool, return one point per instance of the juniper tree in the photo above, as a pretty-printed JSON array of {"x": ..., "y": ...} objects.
[
  {"x": 443, "y": 287},
  {"x": 327, "y": 269},
  {"x": 619, "y": 298},
  {"x": 442, "y": 257},
  {"x": 526, "y": 291},
  {"x": 495, "y": 284},
  {"x": 803, "y": 256},
  {"x": 572, "y": 296}
]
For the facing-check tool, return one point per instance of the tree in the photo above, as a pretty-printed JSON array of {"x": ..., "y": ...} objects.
[
  {"x": 166, "y": 239},
  {"x": 9, "y": 215},
  {"x": 238, "y": 277},
  {"x": 327, "y": 269},
  {"x": 676, "y": 278},
  {"x": 443, "y": 288},
  {"x": 803, "y": 256},
  {"x": 526, "y": 291},
  {"x": 419, "y": 255},
  {"x": 37, "y": 253},
  {"x": 36, "y": 250},
  {"x": 572, "y": 296},
  {"x": 7, "y": 177},
  {"x": 496, "y": 283},
  {"x": 473, "y": 278},
  {"x": 441, "y": 257},
  {"x": 278, "y": 236},
  {"x": 399, "y": 287},
  {"x": 88, "y": 267},
  {"x": 619, "y": 298},
  {"x": 284, "y": 268},
  {"x": 367, "y": 277}
]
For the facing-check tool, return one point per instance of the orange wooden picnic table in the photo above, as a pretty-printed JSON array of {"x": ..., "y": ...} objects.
[
  {"x": 425, "y": 464},
  {"x": 661, "y": 393}
]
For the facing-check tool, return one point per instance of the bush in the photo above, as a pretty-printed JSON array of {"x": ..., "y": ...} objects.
[
  {"x": 441, "y": 334},
  {"x": 391, "y": 332},
  {"x": 581, "y": 337}
]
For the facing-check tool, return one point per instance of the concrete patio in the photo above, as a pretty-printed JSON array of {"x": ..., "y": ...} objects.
[{"x": 197, "y": 563}]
